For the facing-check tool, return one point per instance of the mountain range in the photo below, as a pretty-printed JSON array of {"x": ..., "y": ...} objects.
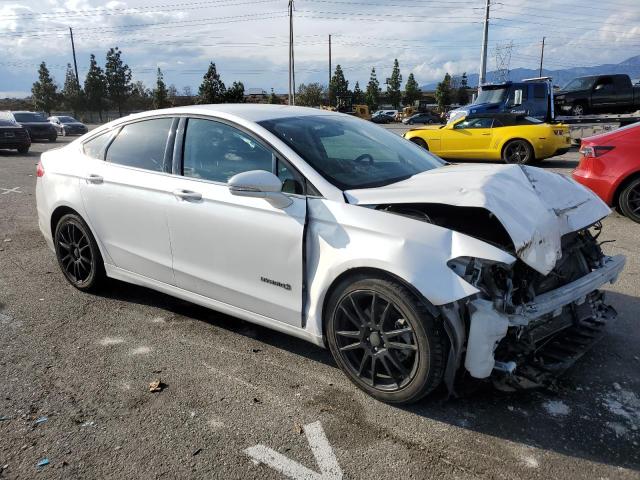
[{"x": 630, "y": 66}]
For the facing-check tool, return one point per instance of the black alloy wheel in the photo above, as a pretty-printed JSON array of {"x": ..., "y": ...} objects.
[
  {"x": 420, "y": 142},
  {"x": 78, "y": 254},
  {"x": 385, "y": 340},
  {"x": 629, "y": 200},
  {"x": 518, "y": 151}
]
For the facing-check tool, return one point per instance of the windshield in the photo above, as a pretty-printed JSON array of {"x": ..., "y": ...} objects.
[
  {"x": 7, "y": 123},
  {"x": 492, "y": 95},
  {"x": 583, "y": 83},
  {"x": 352, "y": 153},
  {"x": 67, "y": 120},
  {"x": 29, "y": 117}
]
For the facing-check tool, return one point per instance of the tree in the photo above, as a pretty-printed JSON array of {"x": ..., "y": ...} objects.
[
  {"x": 212, "y": 88},
  {"x": 273, "y": 98},
  {"x": 462, "y": 95},
  {"x": 235, "y": 93},
  {"x": 393, "y": 85},
  {"x": 372, "y": 95},
  {"x": 186, "y": 91},
  {"x": 118, "y": 75},
  {"x": 339, "y": 87},
  {"x": 411, "y": 90},
  {"x": 358, "y": 94},
  {"x": 310, "y": 95},
  {"x": 172, "y": 95},
  {"x": 72, "y": 97},
  {"x": 45, "y": 91},
  {"x": 141, "y": 97},
  {"x": 95, "y": 87},
  {"x": 160, "y": 94},
  {"x": 443, "y": 93}
]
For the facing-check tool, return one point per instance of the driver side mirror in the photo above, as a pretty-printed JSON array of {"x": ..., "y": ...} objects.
[{"x": 259, "y": 184}]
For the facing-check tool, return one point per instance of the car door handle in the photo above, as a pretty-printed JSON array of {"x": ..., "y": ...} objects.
[
  {"x": 187, "y": 195},
  {"x": 95, "y": 179},
  {"x": 486, "y": 134}
]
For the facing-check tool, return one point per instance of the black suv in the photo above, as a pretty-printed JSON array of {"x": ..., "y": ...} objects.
[{"x": 35, "y": 123}]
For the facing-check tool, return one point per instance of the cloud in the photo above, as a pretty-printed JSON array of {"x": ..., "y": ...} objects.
[{"x": 248, "y": 38}]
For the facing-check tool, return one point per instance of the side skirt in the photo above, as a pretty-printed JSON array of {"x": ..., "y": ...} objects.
[{"x": 136, "y": 279}]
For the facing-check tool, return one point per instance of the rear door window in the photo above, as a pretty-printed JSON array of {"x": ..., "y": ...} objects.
[{"x": 141, "y": 144}]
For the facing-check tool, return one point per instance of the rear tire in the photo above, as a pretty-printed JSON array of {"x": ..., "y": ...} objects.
[
  {"x": 420, "y": 142},
  {"x": 53, "y": 138},
  {"x": 78, "y": 254},
  {"x": 518, "y": 152},
  {"x": 629, "y": 200},
  {"x": 385, "y": 339},
  {"x": 23, "y": 150}
]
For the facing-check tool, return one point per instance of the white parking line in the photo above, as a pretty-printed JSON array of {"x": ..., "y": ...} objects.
[
  {"x": 10, "y": 190},
  {"x": 321, "y": 449}
]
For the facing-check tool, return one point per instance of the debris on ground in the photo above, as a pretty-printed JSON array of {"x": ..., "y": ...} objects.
[
  {"x": 256, "y": 350},
  {"x": 43, "y": 463},
  {"x": 256, "y": 400},
  {"x": 89, "y": 423},
  {"x": 196, "y": 452},
  {"x": 299, "y": 429},
  {"x": 557, "y": 408},
  {"x": 4, "y": 418},
  {"x": 7, "y": 240},
  {"x": 40, "y": 420},
  {"x": 157, "y": 386}
]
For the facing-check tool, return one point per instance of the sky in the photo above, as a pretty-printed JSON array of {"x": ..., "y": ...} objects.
[{"x": 248, "y": 39}]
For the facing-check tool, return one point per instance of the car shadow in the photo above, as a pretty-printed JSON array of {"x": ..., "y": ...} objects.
[{"x": 589, "y": 415}]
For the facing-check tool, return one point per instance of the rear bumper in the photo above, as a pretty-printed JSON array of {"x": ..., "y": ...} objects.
[{"x": 602, "y": 186}]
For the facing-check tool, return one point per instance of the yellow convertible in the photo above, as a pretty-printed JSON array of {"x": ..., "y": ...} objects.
[{"x": 510, "y": 138}]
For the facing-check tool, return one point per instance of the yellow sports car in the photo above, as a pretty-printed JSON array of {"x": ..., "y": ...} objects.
[{"x": 510, "y": 138}]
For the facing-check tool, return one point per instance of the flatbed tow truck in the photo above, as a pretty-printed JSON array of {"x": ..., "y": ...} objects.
[{"x": 534, "y": 97}]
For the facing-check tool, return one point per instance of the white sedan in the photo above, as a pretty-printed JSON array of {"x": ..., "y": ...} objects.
[{"x": 327, "y": 227}]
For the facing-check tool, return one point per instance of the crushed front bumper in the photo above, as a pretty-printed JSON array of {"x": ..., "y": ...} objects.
[
  {"x": 562, "y": 324},
  {"x": 555, "y": 300}
]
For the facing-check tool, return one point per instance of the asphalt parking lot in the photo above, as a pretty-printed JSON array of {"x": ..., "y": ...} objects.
[{"x": 75, "y": 370}]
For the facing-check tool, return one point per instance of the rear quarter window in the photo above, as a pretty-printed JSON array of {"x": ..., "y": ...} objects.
[{"x": 95, "y": 146}]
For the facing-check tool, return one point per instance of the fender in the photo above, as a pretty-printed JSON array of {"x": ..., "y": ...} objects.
[{"x": 342, "y": 237}]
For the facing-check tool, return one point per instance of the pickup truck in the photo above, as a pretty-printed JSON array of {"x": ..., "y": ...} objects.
[{"x": 598, "y": 94}]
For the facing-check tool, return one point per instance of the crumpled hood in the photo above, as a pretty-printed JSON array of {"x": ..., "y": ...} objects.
[{"x": 536, "y": 207}]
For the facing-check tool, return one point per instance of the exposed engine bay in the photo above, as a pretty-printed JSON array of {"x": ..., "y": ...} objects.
[{"x": 523, "y": 328}]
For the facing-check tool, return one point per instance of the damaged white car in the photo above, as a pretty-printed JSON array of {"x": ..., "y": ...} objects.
[{"x": 323, "y": 226}]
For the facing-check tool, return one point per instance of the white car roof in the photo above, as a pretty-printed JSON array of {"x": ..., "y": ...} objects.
[{"x": 253, "y": 112}]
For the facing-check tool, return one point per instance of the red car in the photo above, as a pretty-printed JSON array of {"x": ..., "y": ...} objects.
[{"x": 610, "y": 166}]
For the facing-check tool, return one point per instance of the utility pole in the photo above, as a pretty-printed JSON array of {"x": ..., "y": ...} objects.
[
  {"x": 542, "y": 56},
  {"x": 485, "y": 40},
  {"x": 329, "y": 84},
  {"x": 292, "y": 74},
  {"x": 75, "y": 63}
]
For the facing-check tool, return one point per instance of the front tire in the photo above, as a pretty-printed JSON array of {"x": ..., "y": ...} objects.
[
  {"x": 23, "y": 150},
  {"x": 629, "y": 200},
  {"x": 578, "y": 109},
  {"x": 385, "y": 339},
  {"x": 78, "y": 254},
  {"x": 518, "y": 152},
  {"x": 420, "y": 142},
  {"x": 53, "y": 138}
]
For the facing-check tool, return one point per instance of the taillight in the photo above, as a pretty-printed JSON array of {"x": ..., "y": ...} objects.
[
  {"x": 39, "y": 170},
  {"x": 595, "y": 151}
]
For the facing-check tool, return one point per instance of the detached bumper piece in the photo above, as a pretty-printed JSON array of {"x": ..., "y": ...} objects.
[{"x": 558, "y": 344}]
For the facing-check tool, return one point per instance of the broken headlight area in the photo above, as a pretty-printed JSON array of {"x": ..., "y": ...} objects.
[
  {"x": 512, "y": 287},
  {"x": 525, "y": 328}
]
